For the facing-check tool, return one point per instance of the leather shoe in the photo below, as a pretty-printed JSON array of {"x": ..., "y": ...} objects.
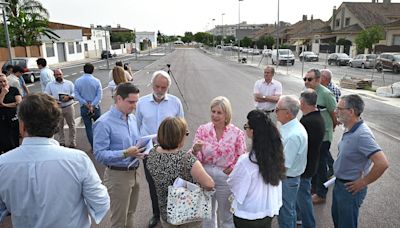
[
  {"x": 317, "y": 200},
  {"x": 153, "y": 221}
]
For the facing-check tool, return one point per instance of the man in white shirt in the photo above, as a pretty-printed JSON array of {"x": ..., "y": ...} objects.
[
  {"x": 46, "y": 75},
  {"x": 63, "y": 91},
  {"x": 267, "y": 92}
]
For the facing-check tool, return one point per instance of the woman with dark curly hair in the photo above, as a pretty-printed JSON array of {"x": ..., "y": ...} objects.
[{"x": 255, "y": 181}]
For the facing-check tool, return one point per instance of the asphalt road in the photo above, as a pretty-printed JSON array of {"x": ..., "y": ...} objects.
[{"x": 201, "y": 77}]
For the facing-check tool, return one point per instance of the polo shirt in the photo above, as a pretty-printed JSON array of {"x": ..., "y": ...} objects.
[
  {"x": 326, "y": 103},
  {"x": 355, "y": 148}
]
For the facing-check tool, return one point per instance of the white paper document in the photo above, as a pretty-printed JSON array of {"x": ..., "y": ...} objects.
[
  {"x": 146, "y": 142},
  {"x": 329, "y": 182},
  {"x": 181, "y": 183}
]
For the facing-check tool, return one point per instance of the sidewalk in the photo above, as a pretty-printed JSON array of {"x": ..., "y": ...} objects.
[
  {"x": 82, "y": 61},
  {"x": 366, "y": 93}
]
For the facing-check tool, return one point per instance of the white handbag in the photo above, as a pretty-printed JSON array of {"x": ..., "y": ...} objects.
[{"x": 187, "y": 202}]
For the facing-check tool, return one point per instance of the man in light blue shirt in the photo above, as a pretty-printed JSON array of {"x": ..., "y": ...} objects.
[
  {"x": 43, "y": 184},
  {"x": 151, "y": 111},
  {"x": 46, "y": 75},
  {"x": 294, "y": 139},
  {"x": 89, "y": 93},
  {"x": 115, "y": 135},
  {"x": 63, "y": 91}
]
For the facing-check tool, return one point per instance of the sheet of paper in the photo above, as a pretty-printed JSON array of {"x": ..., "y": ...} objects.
[
  {"x": 329, "y": 182},
  {"x": 146, "y": 142}
]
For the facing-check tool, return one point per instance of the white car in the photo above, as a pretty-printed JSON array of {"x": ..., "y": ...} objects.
[{"x": 285, "y": 56}]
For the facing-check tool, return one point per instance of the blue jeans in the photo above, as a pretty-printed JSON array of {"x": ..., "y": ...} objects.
[
  {"x": 304, "y": 204},
  {"x": 87, "y": 120},
  {"x": 345, "y": 206},
  {"x": 287, "y": 213},
  {"x": 321, "y": 176}
]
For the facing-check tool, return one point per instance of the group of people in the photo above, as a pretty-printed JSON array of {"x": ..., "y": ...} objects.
[{"x": 275, "y": 177}]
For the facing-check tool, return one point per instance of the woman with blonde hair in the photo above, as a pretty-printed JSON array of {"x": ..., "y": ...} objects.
[
  {"x": 218, "y": 144},
  {"x": 168, "y": 161},
  {"x": 118, "y": 75}
]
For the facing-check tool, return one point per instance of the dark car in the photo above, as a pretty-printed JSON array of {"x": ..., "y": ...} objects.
[
  {"x": 340, "y": 59},
  {"x": 308, "y": 56},
  {"x": 389, "y": 61},
  {"x": 31, "y": 71},
  {"x": 104, "y": 55}
]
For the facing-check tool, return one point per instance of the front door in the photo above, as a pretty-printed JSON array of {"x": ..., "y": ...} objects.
[{"x": 61, "y": 52}]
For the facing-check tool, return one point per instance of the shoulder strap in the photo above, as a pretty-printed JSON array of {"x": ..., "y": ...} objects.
[{"x": 185, "y": 170}]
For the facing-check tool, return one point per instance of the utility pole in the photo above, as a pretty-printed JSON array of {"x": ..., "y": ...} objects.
[
  {"x": 237, "y": 33},
  {"x": 277, "y": 40},
  {"x": 223, "y": 34},
  {"x": 105, "y": 37},
  {"x": 3, "y": 5}
]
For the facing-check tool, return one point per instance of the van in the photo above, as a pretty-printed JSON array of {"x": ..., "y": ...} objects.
[{"x": 285, "y": 57}]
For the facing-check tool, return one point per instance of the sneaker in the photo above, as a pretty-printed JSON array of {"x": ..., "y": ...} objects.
[{"x": 317, "y": 200}]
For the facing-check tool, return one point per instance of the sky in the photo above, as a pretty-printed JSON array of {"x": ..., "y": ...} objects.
[{"x": 174, "y": 17}]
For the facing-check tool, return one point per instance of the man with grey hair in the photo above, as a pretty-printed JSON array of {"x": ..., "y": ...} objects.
[
  {"x": 267, "y": 92},
  {"x": 294, "y": 139},
  {"x": 357, "y": 150},
  {"x": 151, "y": 110},
  {"x": 326, "y": 103},
  {"x": 326, "y": 80},
  {"x": 315, "y": 127}
]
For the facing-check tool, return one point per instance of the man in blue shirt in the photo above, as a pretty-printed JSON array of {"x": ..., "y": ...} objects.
[
  {"x": 115, "y": 136},
  {"x": 63, "y": 91},
  {"x": 46, "y": 75},
  {"x": 295, "y": 140},
  {"x": 357, "y": 151},
  {"x": 89, "y": 93},
  {"x": 151, "y": 111},
  {"x": 43, "y": 184}
]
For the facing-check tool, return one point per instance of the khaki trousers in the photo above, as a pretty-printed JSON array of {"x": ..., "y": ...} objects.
[
  {"x": 187, "y": 225},
  {"x": 123, "y": 188},
  {"x": 68, "y": 115}
]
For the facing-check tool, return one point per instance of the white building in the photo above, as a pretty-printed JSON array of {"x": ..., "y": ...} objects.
[{"x": 144, "y": 38}]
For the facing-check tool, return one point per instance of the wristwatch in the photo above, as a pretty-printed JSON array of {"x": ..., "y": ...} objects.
[{"x": 125, "y": 153}]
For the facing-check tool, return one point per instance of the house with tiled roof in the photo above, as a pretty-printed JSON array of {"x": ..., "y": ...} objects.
[{"x": 351, "y": 18}]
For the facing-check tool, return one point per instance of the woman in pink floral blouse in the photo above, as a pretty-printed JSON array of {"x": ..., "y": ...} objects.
[{"x": 218, "y": 145}]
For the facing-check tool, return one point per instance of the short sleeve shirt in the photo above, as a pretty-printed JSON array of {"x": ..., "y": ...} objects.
[
  {"x": 355, "y": 148},
  {"x": 326, "y": 103},
  {"x": 164, "y": 169},
  {"x": 263, "y": 88}
]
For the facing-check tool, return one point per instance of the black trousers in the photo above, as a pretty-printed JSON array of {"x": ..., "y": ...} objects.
[
  {"x": 153, "y": 193},
  {"x": 258, "y": 223}
]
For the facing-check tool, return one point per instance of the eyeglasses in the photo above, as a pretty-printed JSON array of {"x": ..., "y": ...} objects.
[
  {"x": 246, "y": 126},
  {"x": 187, "y": 133},
  {"x": 279, "y": 109},
  {"x": 341, "y": 108},
  {"x": 308, "y": 79}
]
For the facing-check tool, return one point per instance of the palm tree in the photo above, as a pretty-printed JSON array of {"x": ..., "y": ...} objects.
[{"x": 28, "y": 21}]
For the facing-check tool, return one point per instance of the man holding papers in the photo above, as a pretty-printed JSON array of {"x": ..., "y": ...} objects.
[
  {"x": 114, "y": 145},
  {"x": 151, "y": 111}
]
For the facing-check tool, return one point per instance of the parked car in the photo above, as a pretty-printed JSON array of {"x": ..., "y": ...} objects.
[
  {"x": 267, "y": 52},
  {"x": 285, "y": 56},
  {"x": 363, "y": 61},
  {"x": 308, "y": 56},
  {"x": 104, "y": 55},
  {"x": 389, "y": 61},
  {"x": 31, "y": 70},
  {"x": 340, "y": 59}
]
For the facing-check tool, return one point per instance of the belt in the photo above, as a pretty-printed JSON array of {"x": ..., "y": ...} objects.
[
  {"x": 343, "y": 181},
  {"x": 122, "y": 168},
  {"x": 291, "y": 177}
]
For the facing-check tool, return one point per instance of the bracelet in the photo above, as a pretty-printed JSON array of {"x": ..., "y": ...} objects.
[{"x": 125, "y": 154}]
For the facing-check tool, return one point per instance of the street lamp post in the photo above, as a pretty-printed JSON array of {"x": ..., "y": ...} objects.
[
  {"x": 213, "y": 42},
  {"x": 223, "y": 34},
  {"x": 3, "y": 5},
  {"x": 237, "y": 33},
  {"x": 105, "y": 37},
  {"x": 277, "y": 40}
]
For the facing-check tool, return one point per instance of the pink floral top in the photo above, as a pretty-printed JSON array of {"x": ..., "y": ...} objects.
[{"x": 223, "y": 153}]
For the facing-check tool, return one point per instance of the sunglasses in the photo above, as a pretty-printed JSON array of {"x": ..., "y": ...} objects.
[
  {"x": 246, "y": 126},
  {"x": 308, "y": 79}
]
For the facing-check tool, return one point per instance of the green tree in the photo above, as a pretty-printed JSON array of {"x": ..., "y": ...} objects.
[
  {"x": 28, "y": 20},
  {"x": 246, "y": 42},
  {"x": 188, "y": 37},
  {"x": 369, "y": 37},
  {"x": 265, "y": 41},
  {"x": 122, "y": 37},
  {"x": 203, "y": 37},
  {"x": 229, "y": 39}
]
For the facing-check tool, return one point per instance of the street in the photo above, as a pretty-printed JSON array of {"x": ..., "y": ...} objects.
[{"x": 202, "y": 76}]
